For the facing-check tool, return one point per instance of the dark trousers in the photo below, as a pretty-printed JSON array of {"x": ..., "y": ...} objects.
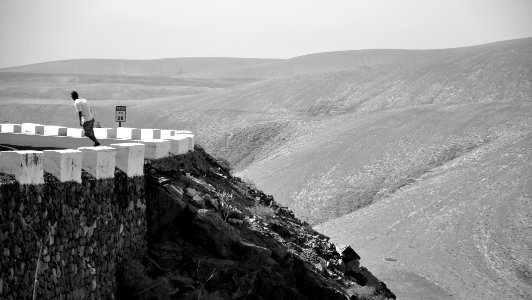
[{"x": 89, "y": 130}]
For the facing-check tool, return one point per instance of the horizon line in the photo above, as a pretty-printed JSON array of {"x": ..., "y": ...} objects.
[{"x": 265, "y": 58}]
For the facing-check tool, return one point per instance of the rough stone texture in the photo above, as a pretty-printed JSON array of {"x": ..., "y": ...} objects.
[
  {"x": 65, "y": 165},
  {"x": 211, "y": 236},
  {"x": 348, "y": 254},
  {"x": 88, "y": 240},
  {"x": 83, "y": 232},
  {"x": 26, "y": 166}
]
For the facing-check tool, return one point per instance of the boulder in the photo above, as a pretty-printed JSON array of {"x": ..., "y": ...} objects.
[
  {"x": 348, "y": 254},
  {"x": 198, "y": 201}
]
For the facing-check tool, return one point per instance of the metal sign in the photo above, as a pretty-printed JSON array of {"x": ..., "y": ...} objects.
[{"x": 120, "y": 115}]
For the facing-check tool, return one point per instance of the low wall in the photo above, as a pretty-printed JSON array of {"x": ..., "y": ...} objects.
[
  {"x": 58, "y": 137},
  {"x": 64, "y": 232},
  {"x": 71, "y": 236}
]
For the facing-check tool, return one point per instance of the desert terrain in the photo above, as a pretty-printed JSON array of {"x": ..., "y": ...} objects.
[{"x": 421, "y": 159}]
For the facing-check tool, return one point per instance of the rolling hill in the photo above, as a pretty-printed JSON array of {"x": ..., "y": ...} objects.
[
  {"x": 420, "y": 158},
  {"x": 151, "y": 67}
]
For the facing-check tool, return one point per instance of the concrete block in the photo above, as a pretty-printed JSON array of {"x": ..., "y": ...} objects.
[
  {"x": 130, "y": 158},
  {"x": 63, "y": 164},
  {"x": 167, "y": 133},
  {"x": 105, "y": 133},
  {"x": 31, "y": 128},
  {"x": 55, "y": 130},
  {"x": 75, "y": 132},
  {"x": 147, "y": 134},
  {"x": 127, "y": 133},
  {"x": 26, "y": 166},
  {"x": 190, "y": 139},
  {"x": 14, "y": 128},
  {"x": 156, "y": 148},
  {"x": 99, "y": 161},
  {"x": 178, "y": 145}
]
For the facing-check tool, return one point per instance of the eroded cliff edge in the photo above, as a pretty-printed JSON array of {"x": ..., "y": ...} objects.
[
  {"x": 213, "y": 236},
  {"x": 187, "y": 229}
]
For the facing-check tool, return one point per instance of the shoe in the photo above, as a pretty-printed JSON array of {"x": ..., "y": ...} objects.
[{"x": 97, "y": 144}]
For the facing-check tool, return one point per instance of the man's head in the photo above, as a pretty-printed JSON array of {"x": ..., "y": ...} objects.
[{"x": 74, "y": 95}]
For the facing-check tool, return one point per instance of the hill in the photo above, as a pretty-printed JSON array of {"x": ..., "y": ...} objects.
[
  {"x": 336, "y": 134},
  {"x": 152, "y": 67},
  {"x": 460, "y": 232}
]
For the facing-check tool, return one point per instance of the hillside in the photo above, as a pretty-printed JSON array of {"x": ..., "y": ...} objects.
[
  {"x": 339, "y": 61},
  {"x": 215, "y": 237},
  {"x": 151, "y": 67},
  {"x": 333, "y": 135},
  {"x": 461, "y": 231}
]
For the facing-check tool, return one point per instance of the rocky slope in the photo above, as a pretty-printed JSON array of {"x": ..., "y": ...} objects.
[{"x": 212, "y": 236}]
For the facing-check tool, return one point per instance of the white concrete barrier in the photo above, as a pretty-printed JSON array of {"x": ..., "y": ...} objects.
[
  {"x": 99, "y": 161},
  {"x": 55, "y": 130},
  {"x": 63, "y": 164},
  {"x": 130, "y": 158},
  {"x": 147, "y": 134},
  {"x": 31, "y": 128},
  {"x": 26, "y": 166},
  {"x": 190, "y": 139},
  {"x": 156, "y": 148},
  {"x": 105, "y": 133},
  {"x": 75, "y": 132},
  {"x": 51, "y": 141},
  {"x": 179, "y": 145},
  {"x": 176, "y": 132},
  {"x": 167, "y": 133},
  {"x": 127, "y": 133},
  {"x": 14, "y": 128}
]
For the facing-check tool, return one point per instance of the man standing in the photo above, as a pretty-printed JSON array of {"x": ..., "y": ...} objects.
[{"x": 85, "y": 117}]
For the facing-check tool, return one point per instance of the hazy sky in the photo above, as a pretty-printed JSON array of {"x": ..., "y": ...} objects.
[{"x": 37, "y": 30}]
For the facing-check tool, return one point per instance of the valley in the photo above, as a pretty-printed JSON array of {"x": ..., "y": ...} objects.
[{"x": 420, "y": 159}]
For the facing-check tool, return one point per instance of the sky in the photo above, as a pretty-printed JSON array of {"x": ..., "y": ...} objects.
[{"x": 33, "y": 31}]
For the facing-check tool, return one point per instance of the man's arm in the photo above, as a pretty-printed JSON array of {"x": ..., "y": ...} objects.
[{"x": 79, "y": 114}]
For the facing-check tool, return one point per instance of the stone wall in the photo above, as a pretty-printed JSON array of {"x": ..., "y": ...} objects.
[
  {"x": 65, "y": 233},
  {"x": 70, "y": 236}
]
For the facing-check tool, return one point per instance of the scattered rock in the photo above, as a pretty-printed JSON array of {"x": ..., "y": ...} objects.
[
  {"x": 176, "y": 192},
  {"x": 234, "y": 221},
  {"x": 347, "y": 253},
  {"x": 198, "y": 201},
  {"x": 191, "y": 192}
]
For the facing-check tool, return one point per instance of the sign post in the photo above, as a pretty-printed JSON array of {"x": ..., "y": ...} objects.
[{"x": 120, "y": 115}]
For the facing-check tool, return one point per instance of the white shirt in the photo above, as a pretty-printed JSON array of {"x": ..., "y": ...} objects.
[{"x": 82, "y": 106}]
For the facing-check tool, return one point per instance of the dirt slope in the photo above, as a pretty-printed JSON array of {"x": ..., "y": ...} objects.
[
  {"x": 461, "y": 231},
  {"x": 353, "y": 162}
]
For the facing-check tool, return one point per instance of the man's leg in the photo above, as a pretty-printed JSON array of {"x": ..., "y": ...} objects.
[{"x": 89, "y": 131}]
